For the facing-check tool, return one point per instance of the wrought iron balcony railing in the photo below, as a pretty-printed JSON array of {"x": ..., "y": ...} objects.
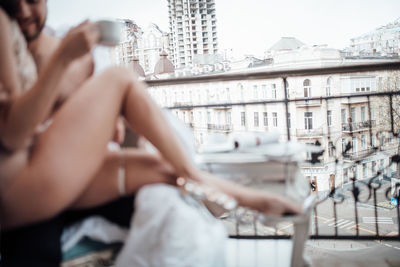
[
  {"x": 220, "y": 127},
  {"x": 358, "y": 126}
]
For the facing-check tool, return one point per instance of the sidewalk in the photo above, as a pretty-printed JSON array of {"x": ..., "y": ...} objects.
[{"x": 276, "y": 253}]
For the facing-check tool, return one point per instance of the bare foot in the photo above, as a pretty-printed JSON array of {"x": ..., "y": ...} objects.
[
  {"x": 267, "y": 203},
  {"x": 260, "y": 201}
]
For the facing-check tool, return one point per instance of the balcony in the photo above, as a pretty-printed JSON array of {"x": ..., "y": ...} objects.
[
  {"x": 308, "y": 102},
  {"x": 355, "y": 99},
  {"x": 309, "y": 133},
  {"x": 220, "y": 127},
  {"x": 358, "y": 126},
  {"x": 359, "y": 155},
  {"x": 360, "y": 212},
  {"x": 183, "y": 105}
]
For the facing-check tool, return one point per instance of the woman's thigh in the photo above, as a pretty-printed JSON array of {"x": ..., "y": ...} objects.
[{"x": 68, "y": 154}]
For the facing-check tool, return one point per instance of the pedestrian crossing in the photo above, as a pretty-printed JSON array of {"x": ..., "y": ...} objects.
[
  {"x": 341, "y": 223},
  {"x": 379, "y": 220}
]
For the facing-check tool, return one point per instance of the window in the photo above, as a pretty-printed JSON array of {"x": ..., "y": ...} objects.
[
  {"x": 241, "y": 92},
  {"x": 228, "y": 95},
  {"x": 373, "y": 140},
  {"x": 308, "y": 123},
  {"x": 343, "y": 145},
  {"x": 265, "y": 118},
  {"x": 219, "y": 114},
  {"x": 200, "y": 117},
  {"x": 329, "y": 118},
  {"x": 255, "y": 92},
  {"x": 228, "y": 118},
  {"x": 382, "y": 139},
  {"x": 364, "y": 170},
  {"x": 275, "y": 119},
  {"x": 353, "y": 114},
  {"x": 373, "y": 167},
  {"x": 264, "y": 91},
  {"x": 273, "y": 91},
  {"x": 364, "y": 141},
  {"x": 307, "y": 88},
  {"x": 256, "y": 122},
  {"x": 288, "y": 121},
  {"x": 243, "y": 118},
  {"x": 363, "y": 114},
  {"x": 328, "y": 86},
  {"x": 330, "y": 149},
  {"x": 343, "y": 113},
  {"x": 208, "y": 117},
  {"x": 355, "y": 170},
  {"x": 354, "y": 144}
]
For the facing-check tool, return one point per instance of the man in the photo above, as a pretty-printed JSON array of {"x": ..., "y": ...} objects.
[
  {"x": 31, "y": 19},
  {"x": 39, "y": 244}
]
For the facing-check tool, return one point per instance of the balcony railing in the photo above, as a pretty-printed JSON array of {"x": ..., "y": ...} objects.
[
  {"x": 308, "y": 102},
  {"x": 309, "y": 132},
  {"x": 183, "y": 105},
  {"x": 220, "y": 127},
  {"x": 358, "y": 126},
  {"x": 372, "y": 192},
  {"x": 358, "y": 155}
]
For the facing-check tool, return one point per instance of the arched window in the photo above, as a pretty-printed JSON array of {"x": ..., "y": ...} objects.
[
  {"x": 307, "y": 88},
  {"x": 328, "y": 86}
]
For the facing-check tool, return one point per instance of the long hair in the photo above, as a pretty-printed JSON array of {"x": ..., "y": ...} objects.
[{"x": 10, "y": 7}]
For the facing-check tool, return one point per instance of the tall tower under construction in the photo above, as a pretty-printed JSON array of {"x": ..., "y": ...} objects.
[{"x": 193, "y": 31}]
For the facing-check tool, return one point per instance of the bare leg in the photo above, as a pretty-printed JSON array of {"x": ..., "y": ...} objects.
[
  {"x": 141, "y": 168},
  {"x": 69, "y": 154}
]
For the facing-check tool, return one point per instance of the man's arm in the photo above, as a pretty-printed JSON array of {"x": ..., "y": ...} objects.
[
  {"x": 24, "y": 113},
  {"x": 77, "y": 72}
]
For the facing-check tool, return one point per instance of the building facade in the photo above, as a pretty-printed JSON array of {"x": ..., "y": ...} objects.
[
  {"x": 348, "y": 129},
  {"x": 151, "y": 44},
  {"x": 124, "y": 53},
  {"x": 193, "y": 32},
  {"x": 384, "y": 40}
]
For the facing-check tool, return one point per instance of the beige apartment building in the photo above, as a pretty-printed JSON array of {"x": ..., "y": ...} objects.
[{"x": 333, "y": 123}]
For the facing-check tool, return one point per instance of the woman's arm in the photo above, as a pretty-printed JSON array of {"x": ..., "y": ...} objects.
[{"x": 29, "y": 109}]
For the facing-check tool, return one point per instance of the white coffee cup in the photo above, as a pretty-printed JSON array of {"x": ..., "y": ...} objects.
[{"x": 110, "y": 32}]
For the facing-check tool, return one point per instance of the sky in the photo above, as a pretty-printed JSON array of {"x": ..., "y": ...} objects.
[{"x": 248, "y": 27}]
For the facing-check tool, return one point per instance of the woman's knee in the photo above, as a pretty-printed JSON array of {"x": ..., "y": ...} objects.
[{"x": 122, "y": 77}]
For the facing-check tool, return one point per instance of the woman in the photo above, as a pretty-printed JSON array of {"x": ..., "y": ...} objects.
[{"x": 66, "y": 165}]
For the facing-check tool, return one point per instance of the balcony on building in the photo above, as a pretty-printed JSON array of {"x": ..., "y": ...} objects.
[
  {"x": 354, "y": 100},
  {"x": 308, "y": 103},
  {"x": 183, "y": 104},
  {"x": 223, "y": 107},
  {"x": 358, "y": 126},
  {"x": 309, "y": 133},
  {"x": 220, "y": 127},
  {"x": 358, "y": 155}
]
